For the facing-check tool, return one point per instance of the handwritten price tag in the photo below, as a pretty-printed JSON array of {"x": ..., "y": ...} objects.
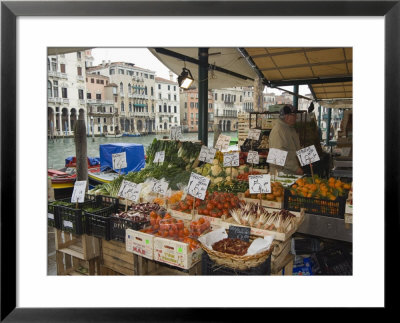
[
  {"x": 160, "y": 187},
  {"x": 253, "y": 157},
  {"x": 207, "y": 154},
  {"x": 119, "y": 160},
  {"x": 307, "y": 155},
  {"x": 231, "y": 159},
  {"x": 159, "y": 157},
  {"x": 198, "y": 186},
  {"x": 222, "y": 142},
  {"x": 78, "y": 195},
  {"x": 254, "y": 134},
  {"x": 130, "y": 191},
  {"x": 260, "y": 183},
  {"x": 277, "y": 156}
]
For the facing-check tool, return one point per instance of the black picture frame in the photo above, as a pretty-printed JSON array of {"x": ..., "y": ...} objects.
[{"x": 10, "y": 10}]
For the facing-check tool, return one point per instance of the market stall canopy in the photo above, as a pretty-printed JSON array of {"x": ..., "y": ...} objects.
[
  {"x": 327, "y": 71},
  {"x": 65, "y": 50},
  {"x": 227, "y": 66}
]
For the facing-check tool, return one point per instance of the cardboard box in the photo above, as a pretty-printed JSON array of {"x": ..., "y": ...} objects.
[
  {"x": 176, "y": 253},
  {"x": 140, "y": 243}
]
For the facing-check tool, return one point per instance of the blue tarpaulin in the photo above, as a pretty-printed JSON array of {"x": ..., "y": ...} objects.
[{"x": 134, "y": 156}]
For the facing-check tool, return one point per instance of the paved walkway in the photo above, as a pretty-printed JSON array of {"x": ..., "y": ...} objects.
[{"x": 51, "y": 252}]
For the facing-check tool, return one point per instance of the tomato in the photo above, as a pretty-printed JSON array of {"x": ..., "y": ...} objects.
[
  {"x": 220, "y": 206},
  {"x": 206, "y": 212},
  {"x": 201, "y": 220},
  {"x": 198, "y": 202},
  {"x": 225, "y": 212},
  {"x": 210, "y": 206},
  {"x": 220, "y": 213}
]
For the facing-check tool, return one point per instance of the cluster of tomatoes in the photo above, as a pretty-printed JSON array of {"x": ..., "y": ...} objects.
[
  {"x": 245, "y": 176},
  {"x": 218, "y": 204},
  {"x": 198, "y": 227}
]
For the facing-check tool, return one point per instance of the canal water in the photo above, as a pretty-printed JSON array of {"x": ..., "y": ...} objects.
[{"x": 61, "y": 148}]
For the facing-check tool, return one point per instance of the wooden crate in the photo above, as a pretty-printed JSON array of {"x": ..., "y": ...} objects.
[
  {"x": 73, "y": 266},
  {"x": 80, "y": 246},
  {"x": 105, "y": 271},
  {"x": 115, "y": 257},
  {"x": 285, "y": 268}
]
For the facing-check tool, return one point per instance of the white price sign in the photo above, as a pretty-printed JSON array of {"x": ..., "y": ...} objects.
[
  {"x": 119, "y": 160},
  {"x": 160, "y": 187},
  {"x": 260, "y": 183},
  {"x": 277, "y": 156},
  {"x": 78, "y": 195},
  {"x": 307, "y": 155},
  {"x": 176, "y": 132},
  {"x": 254, "y": 134},
  {"x": 159, "y": 157},
  {"x": 207, "y": 154},
  {"x": 253, "y": 157},
  {"x": 231, "y": 159},
  {"x": 198, "y": 186},
  {"x": 130, "y": 191},
  {"x": 222, "y": 142}
]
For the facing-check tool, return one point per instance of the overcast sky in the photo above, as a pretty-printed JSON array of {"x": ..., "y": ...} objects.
[{"x": 143, "y": 58}]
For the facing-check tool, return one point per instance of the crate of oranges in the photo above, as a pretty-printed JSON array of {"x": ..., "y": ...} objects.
[{"x": 317, "y": 196}]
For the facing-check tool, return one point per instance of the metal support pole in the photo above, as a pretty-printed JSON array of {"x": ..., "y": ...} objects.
[
  {"x": 203, "y": 96},
  {"x": 328, "y": 125},
  {"x": 295, "y": 97},
  {"x": 319, "y": 123}
]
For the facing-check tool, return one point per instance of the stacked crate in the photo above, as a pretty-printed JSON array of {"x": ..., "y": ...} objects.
[{"x": 243, "y": 126}]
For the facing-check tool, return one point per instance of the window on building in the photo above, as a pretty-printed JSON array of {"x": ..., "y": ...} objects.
[
  {"x": 121, "y": 71},
  {"x": 91, "y": 80},
  {"x": 191, "y": 122},
  {"x": 168, "y": 87},
  {"x": 55, "y": 89},
  {"x": 185, "y": 117},
  {"x": 62, "y": 68},
  {"x": 145, "y": 89},
  {"x": 159, "y": 108},
  {"x": 146, "y": 76},
  {"x": 54, "y": 64},
  {"x": 160, "y": 119},
  {"x": 169, "y": 108},
  {"x": 105, "y": 120},
  {"x": 174, "y": 88},
  {"x": 130, "y": 107},
  {"x": 122, "y": 107},
  {"x": 222, "y": 97},
  {"x": 169, "y": 119},
  {"x": 121, "y": 88},
  {"x": 115, "y": 99},
  {"x": 79, "y": 70},
  {"x": 159, "y": 86},
  {"x": 151, "y": 91},
  {"x": 174, "y": 97},
  {"x": 176, "y": 119},
  {"x": 191, "y": 116},
  {"x": 88, "y": 95},
  {"x": 159, "y": 96},
  {"x": 175, "y": 109},
  {"x": 98, "y": 96},
  {"x": 112, "y": 71},
  {"x": 192, "y": 104},
  {"x": 185, "y": 105},
  {"x": 64, "y": 92},
  {"x": 215, "y": 96},
  {"x": 151, "y": 77},
  {"x": 80, "y": 94},
  {"x": 152, "y": 108},
  {"x": 48, "y": 64},
  {"x": 79, "y": 55},
  {"x": 129, "y": 88},
  {"x": 165, "y": 108},
  {"x": 197, "y": 105},
  {"x": 169, "y": 97},
  {"x": 49, "y": 89},
  {"x": 97, "y": 81}
]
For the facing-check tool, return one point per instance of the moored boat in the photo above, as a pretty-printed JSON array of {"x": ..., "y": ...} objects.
[{"x": 113, "y": 135}]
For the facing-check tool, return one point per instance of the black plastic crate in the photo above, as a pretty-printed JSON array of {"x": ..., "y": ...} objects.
[
  {"x": 74, "y": 220},
  {"x": 119, "y": 225},
  {"x": 334, "y": 209},
  {"x": 53, "y": 217},
  {"x": 334, "y": 261},
  {"x": 108, "y": 201},
  {"x": 98, "y": 222},
  {"x": 209, "y": 267}
]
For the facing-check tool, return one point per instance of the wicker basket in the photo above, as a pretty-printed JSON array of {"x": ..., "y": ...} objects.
[{"x": 238, "y": 262}]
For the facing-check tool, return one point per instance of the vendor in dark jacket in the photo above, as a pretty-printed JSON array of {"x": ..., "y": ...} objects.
[{"x": 283, "y": 136}]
